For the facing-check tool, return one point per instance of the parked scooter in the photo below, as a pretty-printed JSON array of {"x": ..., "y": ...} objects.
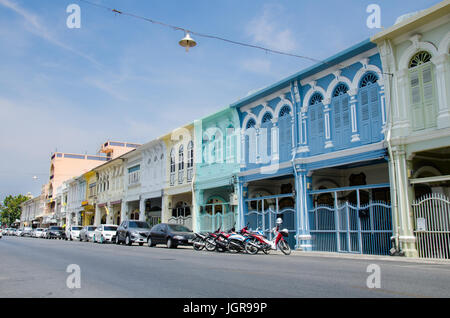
[{"x": 258, "y": 242}]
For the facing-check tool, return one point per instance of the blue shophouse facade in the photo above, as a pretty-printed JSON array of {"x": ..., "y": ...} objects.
[{"x": 313, "y": 153}]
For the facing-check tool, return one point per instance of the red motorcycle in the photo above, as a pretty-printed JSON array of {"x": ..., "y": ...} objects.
[{"x": 258, "y": 242}]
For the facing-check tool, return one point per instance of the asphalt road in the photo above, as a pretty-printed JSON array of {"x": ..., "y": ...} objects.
[{"x": 37, "y": 268}]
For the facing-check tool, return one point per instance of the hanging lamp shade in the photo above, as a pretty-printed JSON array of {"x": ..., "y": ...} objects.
[{"x": 187, "y": 42}]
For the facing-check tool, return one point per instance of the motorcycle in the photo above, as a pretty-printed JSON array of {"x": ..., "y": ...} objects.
[{"x": 258, "y": 242}]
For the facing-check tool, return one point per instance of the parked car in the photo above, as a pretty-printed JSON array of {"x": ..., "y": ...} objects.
[
  {"x": 105, "y": 233},
  {"x": 27, "y": 231},
  {"x": 171, "y": 235},
  {"x": 56, "y": 232},
  {"x": 87, "y": 233},
  {"x": 18, "y": 232},
  {"x": 39, "y": 232},
  {"x": 130, "y": 232},
  {"x": 1, "y": 233},
  {"x": 73, "y": 232}
]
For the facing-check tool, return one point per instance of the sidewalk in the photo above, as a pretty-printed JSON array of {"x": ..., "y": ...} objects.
[{"x": 298, "y": 253}]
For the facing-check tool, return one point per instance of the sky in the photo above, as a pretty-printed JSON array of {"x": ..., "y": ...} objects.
[{"x": 123, "y": 79}]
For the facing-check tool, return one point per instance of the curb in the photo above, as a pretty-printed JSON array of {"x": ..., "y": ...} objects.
[{"x": 370, "y": 257}]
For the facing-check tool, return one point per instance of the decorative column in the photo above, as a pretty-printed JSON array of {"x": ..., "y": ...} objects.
[
  {"x": 197, "y": 221},
  {"x": 353, "y": 115},
  {"x": 98, "y": 216},
  {"x": 404, "y": 200},
  {"x": 442, "y": 89},
  {"x": 142, "y": 209},
  {"x": 326, "y": 118},
  {"x": 303, "y": 132},
  {"x": 257, "y": 145},
  {"x": 124, "y": 211},
  {"x": 303, "y": 236},
  {"x": 275, "y": 158},
  {"x": 383, "y": 109},
  {"x": 109, "y": 213}
]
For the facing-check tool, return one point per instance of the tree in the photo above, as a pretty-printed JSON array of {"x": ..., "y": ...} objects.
[{"x": 10, "y": 211}]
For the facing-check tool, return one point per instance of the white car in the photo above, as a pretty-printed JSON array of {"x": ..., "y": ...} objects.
[
  {"x": 1, "y": 233},
  {"x": 105, "y": 233},
  {"x": 39, "y": 232},
  {"x": 19, "y": 232},
  {"x": 73, "y": 232}
]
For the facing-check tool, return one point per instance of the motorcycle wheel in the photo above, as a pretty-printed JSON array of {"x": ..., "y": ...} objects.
[
  {"x": 232, "y": 248},
  {"x": 284, "y": 247},
  {"x": 209, "y": 246},
  {"x": 249, "y": 248},
  {"x": 197, "y": 244}
]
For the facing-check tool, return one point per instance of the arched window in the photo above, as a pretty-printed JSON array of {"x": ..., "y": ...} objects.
[
  {"x": 250, "y": 124},
  {"x": 421, "y": 79},
  {"x": 316, "y": 123},
  {"x": 369, "y": 109},
  {"x": 341, "y": 123},
  {"x": 190, "y": 149},
  {"x": 250, "y": 143},
  {"x": 230, "y": 143},
  {"x": 172, "y": 160},
  {"x": 265, "y": 140},
  {"x": 285, "y": 133},
  {"x": 181, "y": 158}
]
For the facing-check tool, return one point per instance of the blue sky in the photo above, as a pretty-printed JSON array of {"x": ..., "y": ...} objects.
[{"x": 118, "y": 78}]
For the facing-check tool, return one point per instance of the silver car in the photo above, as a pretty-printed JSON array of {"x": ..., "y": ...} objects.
[{"x": 87, "y": 233}]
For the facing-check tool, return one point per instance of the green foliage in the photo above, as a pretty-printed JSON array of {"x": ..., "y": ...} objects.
[{"x": 10, "y": 211}]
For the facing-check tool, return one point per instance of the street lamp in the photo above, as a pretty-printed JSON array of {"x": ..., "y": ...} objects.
[{"x": 187, "y": 42}]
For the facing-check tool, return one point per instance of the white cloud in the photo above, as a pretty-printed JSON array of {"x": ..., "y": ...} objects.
[{"x": 267, "y": 29}]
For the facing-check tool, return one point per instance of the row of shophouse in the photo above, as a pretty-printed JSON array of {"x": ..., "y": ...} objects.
[{"x": 352, "y": 153}]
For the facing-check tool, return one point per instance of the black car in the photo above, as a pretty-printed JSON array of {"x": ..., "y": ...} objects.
[
  {"x": 56, "y": 232},
  {"x": 130, "y": 232},
  {"x": 170, "y": 234}
]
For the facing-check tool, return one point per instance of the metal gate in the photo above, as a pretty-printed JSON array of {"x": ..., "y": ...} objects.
[
  {"x": 432, "y": 226},
  {"x": 263, "y": 217},
  {"x": 216, "y": 216},
  {"x": 351, "y": 229},
  {"x": 182, "y": 216}
]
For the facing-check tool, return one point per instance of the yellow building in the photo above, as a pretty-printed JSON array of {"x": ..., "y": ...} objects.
[{"x": 88, "y": 213}]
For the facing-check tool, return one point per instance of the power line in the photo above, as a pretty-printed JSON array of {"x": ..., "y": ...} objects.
[{"x": 204, "y": 35}]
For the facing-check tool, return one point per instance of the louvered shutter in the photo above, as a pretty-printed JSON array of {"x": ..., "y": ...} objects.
[
  {"x": 375, "y": 117},
  {"x": 336, "y": 132},
  {"x": 416, "y": 100},
  {"x": 313, "y": 131},
  {"x": 346, "y": 122},
  {"x": 428, "y": 97},
  {"x": 365, "y": 120}
]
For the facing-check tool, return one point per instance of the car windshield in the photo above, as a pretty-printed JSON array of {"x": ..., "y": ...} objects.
[
  {"x": 178, "y": 228},
  {"x": 91, "y": 228},
  {"x": 139, "y": 224},
  {"x": 76, "y": 228},
  {"x": 110, "y": 228},
  {"x": 56, "y": 228}
]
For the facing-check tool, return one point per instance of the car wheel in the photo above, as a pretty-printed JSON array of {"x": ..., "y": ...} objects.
[
  {"x": 170, "y": 243},
  {"x": 117, "y": 239},
  {"x": 149, "y": 242},
  {"x": 128, "y": 240}
]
